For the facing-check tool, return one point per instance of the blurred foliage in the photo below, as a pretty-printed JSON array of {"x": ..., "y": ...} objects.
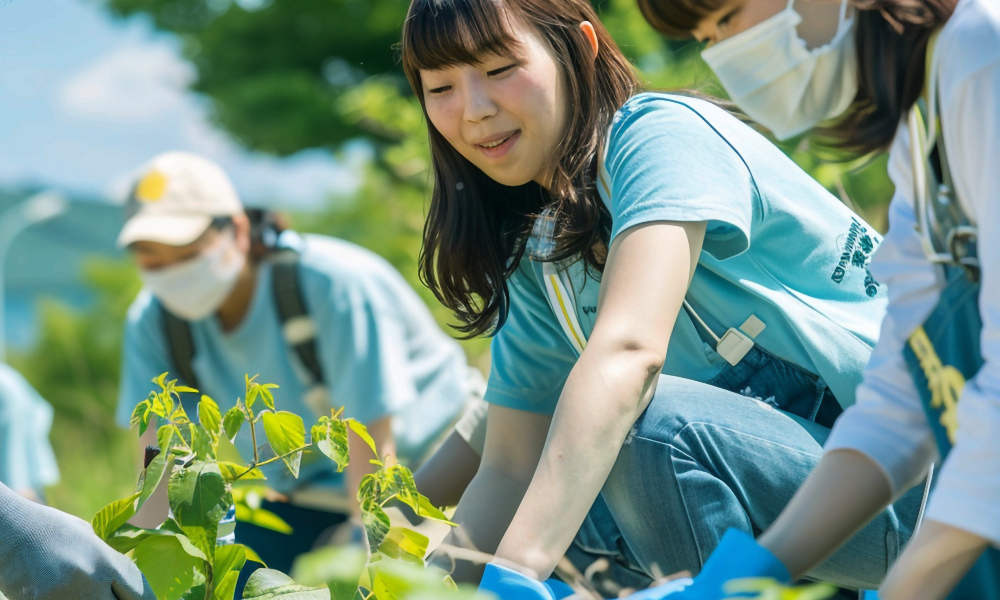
[{"x": 75, "y": 365}]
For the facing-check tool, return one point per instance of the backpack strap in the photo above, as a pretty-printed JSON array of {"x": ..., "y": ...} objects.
[
  {"x": 180, "y": 345},
  {"x": 297, "y": 327}
]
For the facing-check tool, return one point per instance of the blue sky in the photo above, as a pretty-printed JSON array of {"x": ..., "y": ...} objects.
[{"x": 85, "y": 100}]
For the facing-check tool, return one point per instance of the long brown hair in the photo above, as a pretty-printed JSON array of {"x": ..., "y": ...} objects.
[
  {"x": 891, "y": 41},
  {"x": 476, "y": 228}
]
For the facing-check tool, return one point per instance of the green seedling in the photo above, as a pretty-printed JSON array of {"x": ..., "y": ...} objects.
[{"x": 181, "y": 559}]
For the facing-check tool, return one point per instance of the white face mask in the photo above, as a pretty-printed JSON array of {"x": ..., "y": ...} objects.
[
  {"x": 195, "y": 288},
  {"x": 771, "y": 74}
]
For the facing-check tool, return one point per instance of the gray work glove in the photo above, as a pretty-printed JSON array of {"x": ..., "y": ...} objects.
[{"x": 46, "y": 554}]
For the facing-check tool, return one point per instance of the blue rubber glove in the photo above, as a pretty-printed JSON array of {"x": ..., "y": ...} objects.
[
  {"x": 511, "y": 585},
  {"x": 738, "y": 556}
]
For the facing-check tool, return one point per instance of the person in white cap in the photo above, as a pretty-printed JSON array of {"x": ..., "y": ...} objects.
[{"x": 229, "y": 293}]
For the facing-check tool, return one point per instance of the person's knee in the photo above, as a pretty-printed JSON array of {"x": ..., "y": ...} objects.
[{"x": 676, "y": 404}]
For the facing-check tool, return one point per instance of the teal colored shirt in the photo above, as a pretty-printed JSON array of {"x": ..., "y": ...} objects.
[
  {"x": 379, "y": 347},
  {"x": 26, "y": 457},
  {"x": 777, "y": 245}
]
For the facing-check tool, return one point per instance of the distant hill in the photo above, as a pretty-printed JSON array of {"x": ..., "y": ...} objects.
[{"x": 47, "y": 259}]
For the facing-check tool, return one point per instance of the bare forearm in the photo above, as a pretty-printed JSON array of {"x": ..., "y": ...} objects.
[
  {"x": 933, "y": 563},
  {"x": 844, "y": 493},
  {"x": 603, "y": 397},
  {"x": 486, "y": 509},
  {"x": 445, "y": 476}
]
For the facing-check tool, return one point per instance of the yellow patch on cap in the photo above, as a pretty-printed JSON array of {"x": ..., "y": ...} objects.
[{"x": 151, "y": 187}]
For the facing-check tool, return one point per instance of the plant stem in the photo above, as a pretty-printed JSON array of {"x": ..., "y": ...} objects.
[
  {"x": 253, "y": 436},
  {"x": 179, "y": 435},
  {"x": 255, "y": 464}
]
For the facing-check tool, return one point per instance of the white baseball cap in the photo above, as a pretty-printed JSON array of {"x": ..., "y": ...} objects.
[{"x": 175, "y": 198}]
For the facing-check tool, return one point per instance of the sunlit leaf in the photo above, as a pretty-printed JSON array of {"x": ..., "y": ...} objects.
[
  {"x": 232, "y": 471},
  {"x": 168, "y": 568},
  {"x": 209, "y": 415},
  {"x": 262, "y": 517},
  {"x": 140, "y": 416},
  {"x": 376, "y": 523},
  {"x": 362, "y": 432},
  {"x": 339, "y": 568},
  {"x": 233, "y": 422},
  {"x": 152, "y": 475},
  {"x": 402, "y": 541},
  {"x": 267, "y": 584},
  {"x": 229, "y": 560},
  {"x": 199, "y": 500},
  {"x": 286, "y": 432},
  {"x": 113, "y": 516}
]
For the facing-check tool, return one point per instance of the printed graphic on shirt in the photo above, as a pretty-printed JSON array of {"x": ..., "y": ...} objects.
[{"x": 858, "y": 248}]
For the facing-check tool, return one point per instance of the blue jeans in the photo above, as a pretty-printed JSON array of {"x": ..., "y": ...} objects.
[{"x": 702, "y": 459}]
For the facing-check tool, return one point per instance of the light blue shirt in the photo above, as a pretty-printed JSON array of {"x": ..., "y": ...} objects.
[
  {"x": 26, "y": 458},
  {"x": 380, "y": 349},
  {"x": 777, "y": 245}
]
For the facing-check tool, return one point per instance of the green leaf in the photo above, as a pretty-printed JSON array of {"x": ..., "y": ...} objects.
[
  {"x": 230, "y": 471},
  {"x": 229, "y": 560},
  {"x": 262, "y": 517},
  {"x": 127, "y": 537},
  {"x": 199, "y": 500},
  {"x": 396, "y": 579},
  {"x": 429, "y": 511},
  {"x": 253, "y": 556},
  {"x": 285, "y": 432},
  {"x": 140, "y": 416},
  {"x": 164, "y": 437},
  {"x": 362, "y": 432},
  {"x": 401, "y": 541},
  {"x": 233, "y": 422},
  {"x": 377, "y": 524},
  {"x": 168, "y": 568},
  {"x": 267, "y": 584},
  {"x": 252, "y": 396},
  {"x": 339, "y": 568},
  {"x": 113, "y": 516},
  {"x": 209, "y": 415},
  {"x": 202, "y": 442},
  {"x": 331, "y": 440},
  {"x": 152, "y": 476}
]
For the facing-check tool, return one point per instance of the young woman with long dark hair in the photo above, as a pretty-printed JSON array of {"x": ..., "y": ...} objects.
[
  {"x": 590, "y": 229},
  {"x": 920, "y": 78}
]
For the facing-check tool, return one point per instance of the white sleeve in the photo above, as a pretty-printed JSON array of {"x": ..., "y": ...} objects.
[
  {"x": 887, "y": 423},
  {"x": 968, "y": 490}
]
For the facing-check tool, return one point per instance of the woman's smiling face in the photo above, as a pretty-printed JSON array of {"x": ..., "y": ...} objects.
[{"x": 506, "y": 114}]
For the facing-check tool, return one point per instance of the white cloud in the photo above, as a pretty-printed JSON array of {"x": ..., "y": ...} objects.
[{"x": 136, "y": 82}]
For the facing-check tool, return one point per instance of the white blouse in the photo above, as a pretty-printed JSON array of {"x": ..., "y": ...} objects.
[{"x": 888, "y": 423}]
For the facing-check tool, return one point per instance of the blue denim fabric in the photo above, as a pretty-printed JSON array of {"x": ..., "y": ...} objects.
[{"x": 702, "y": 459}]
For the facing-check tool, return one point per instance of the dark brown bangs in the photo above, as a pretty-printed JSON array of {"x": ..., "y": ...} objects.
[
  {"x": 443, "y": 33},
  {"x": 677, "y": 18}
]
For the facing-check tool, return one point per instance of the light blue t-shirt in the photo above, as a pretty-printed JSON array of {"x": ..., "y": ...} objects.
[
  {"x": 379, "y": 347},
  {"x": 26, "y": 457},
  {"x": 777, "y": 245}
]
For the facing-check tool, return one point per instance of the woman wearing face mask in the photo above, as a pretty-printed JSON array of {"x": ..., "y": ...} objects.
[
  {"x": 676, "y": 323},
  {"x": 924, "y": 82},
  {"x": 332, "y": 324}
]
